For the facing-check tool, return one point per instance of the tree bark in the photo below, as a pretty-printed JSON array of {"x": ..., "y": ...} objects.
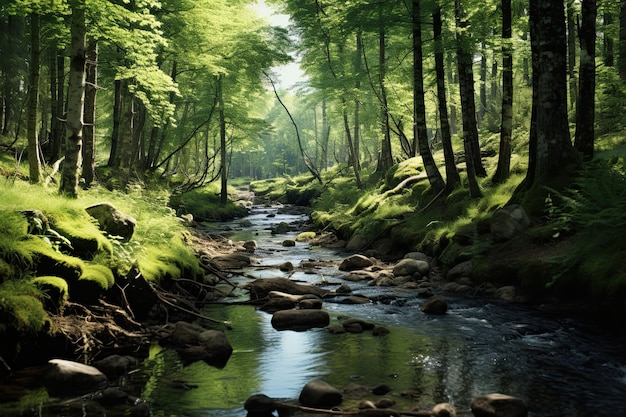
[
  {"x": 385, "y": 159},
  {"x": 114, "y": 160},
  {"x": 75, "y": 101},
  {"x": 571, "y": 52},
  {"x": 506, "y": 125},
  {"x": 222, "y": 120},
  {"x": 468, "y": 107},
  {"x": 452, "y": 174},
  {"x": 34, "y": 162},
  {"x": 584, "y": 138},
  {"x": 89, "y": 129},
  {"x": 57, "y": 107},
  {"x": 621, "y": 54},
  {"x": 420, "y": 133},
  {"x": 608, "y": 52},
  {"x": 551, "y": 150}
]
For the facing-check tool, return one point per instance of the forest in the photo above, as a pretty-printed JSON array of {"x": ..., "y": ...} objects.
[{"x": 413, "y": 120}]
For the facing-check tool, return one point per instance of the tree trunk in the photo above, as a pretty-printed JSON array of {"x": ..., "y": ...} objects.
[
  {"x": 468, "y": 107},
  {"x": 571, "y": 52},
  {"x": 89, "y": 129},
  {"x": 621, "y": 53},
  {"x": 552, "y": 152},
  {"x": 420, "y": 133},
  {"x": 506, "y": 125},
  {"x": 325, "y": 136},
  {"x": 584, "y": 138},
  {"x": 353, "y": 157},
  {"x": 34, "y": 162},
  {"x": 385, "y": 159},
  {"x": 114, "y": 160},
  {"x": 126, "y": 128},
  {"x": 223, "y": 170},
  {"x": 357, "y": 100},
  {"x": 608, "y": 53},
  {"x": 75, "y": 101},
  {"x": 57, "y": 94},
  {"x": 11, "y": 65},
  {"x": 452, "y": 174},
  {"x": 482, "y": 89}
]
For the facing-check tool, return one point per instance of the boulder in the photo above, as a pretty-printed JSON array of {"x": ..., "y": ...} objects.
[
  {"x": 462, "y": 270},
  {"x": 499, "y": 405},
  {"x": 281, "y": 228},
  {"x": 356, "y": 276},
  {"x": 63, "y": 378},
  {"x": 320, "y": 394},
  {"x": 233, "y": 260},
  {"x": 260, "y": 288},
  {"x": 356, "y": 242},
  {"x": 299, "y": 319},
  {"x": 506, "y": 293},
  {"x": 409, "y": 266},
  {"x": 418, "y": 256},
  {"x": 250, "y": 245},
  {"x": 288, "y": 243},
  {"x": 113, "y": 221},
  {"x": 114, "y": 366},
  {"x": 356, "y": 299},
  {"x": 508, "y": 222},
  {"x": 260, "y": 404},
  {"x": 435, "y": 305},
  {"x": 354, "y": 262},
  {"x": 217, "y": 347},
  {"x": 443, "y": 410}
]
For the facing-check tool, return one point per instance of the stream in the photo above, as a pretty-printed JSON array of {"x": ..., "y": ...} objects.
[{"x": 561, "y": 366}]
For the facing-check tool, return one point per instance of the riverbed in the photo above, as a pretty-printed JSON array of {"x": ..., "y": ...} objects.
[{"x": 560, "y": 365}]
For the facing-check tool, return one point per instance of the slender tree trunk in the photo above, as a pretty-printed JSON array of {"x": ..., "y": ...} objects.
[
  {"x": 11, "y": 66},
  {"x": 34, "y": 162},
  {"x": 468, "y": 108},
  {"x": 621, "y": 54},
  {"x": 420, "y": 133},
  {"x": 223, "y": 169},
  {"x": 584, "y": 138},
  {"x": 126, "y": 127},
  {"x": 325, "y": 136},
  {"x": 571, "y": 52},
  {"x": 506, "y": 126},
  {"x": 57, "y": 93},
  {"x": 482, "y": 90},
  {"x": 385, "y": 159},
  {"x": 75, "y": 101},
  {"x": 357, "y": 100},
  {"x": 89, "y": 129},
  {"x": 608, "y": 52},
  {"x": 351, "y": 150},
  {"x": 452, "y": 174},
  {"x": 114, "y": 160}
]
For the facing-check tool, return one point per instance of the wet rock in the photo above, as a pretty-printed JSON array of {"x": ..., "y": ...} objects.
[
  {"x": 366, "y": 405},
  {"x": 281, "y": 228},
  {"x": 245, "y": 223},
  {"x": 299, "y": 319},
  {"x": 457, "y": 288},
  {"x": 320, "y": 394},
  {"x": 260, "y": 288},
  {"x": 288, "y": 243},
  {"x": 435, "y": 305},
  {"x": 499, "y": 405},
  {"x": 418, "y": 256},
  {"x": 356, "y": 243},
  {"x": 233, "y": 260},
  {"x": 286, "y": 266},
  {"x": 364, "y": 325},
  {"x": 218, "y": 348},
  {"x": 65, "y": 377},
  {"x": 337, "y": 329},
  {"x": 356, "y": 299},
  {"x": 410, "y": 267},
  {"x": 276, "y": 304},
  {"x": 443, "y": 410},
  {"x": 385, "y": 402},
  {"x": 112, "y": 396},
  {"x": 314, "y": 303},
  {"x": 506, "y": 293},
  {"x": 355, "y": 262},
  {"x": 113, "y": 221},
  {"x": 260, "y": 404},
  {"x": 343, "y": 289},
  {"x": 114, "y": 366},
  {"x": 380, "y": 331},
  {"x": 185, "y": 333},
  {"x": 508, "y": 222},
  {"x": 250, "y": 245},
  {"x": 356, "y": 276},
  {"x": 462, "y": 270},
  {"x": 381, "y": 389}
]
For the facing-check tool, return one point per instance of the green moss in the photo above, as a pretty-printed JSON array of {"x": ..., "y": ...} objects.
[
  {"x": 204, "y": 204},
  {"x": 98, "y": 274},
  {"x": 83, "y": 233},
  {"x": 56, "y": 290},
  {"x": 177, "y": 262},
  {"x": 305, "y": 236},
  {"x": 402, "y": 171},
  {"x": 21, "y": 307}
]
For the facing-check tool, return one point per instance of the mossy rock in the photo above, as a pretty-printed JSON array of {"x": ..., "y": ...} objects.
[
  {"x": 402, "y": 171},
  {"x": 21, "y": 308},
  {"x": 85, "y": 237},
  {"x": 94, "y": 281},
  {"x": 305, "y": 236},
  {"x": 56, "y": 290},
  {"x": 52, "y": 263}
]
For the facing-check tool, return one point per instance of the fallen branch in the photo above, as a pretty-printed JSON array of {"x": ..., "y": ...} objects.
[{"x": 370, "y": 412}]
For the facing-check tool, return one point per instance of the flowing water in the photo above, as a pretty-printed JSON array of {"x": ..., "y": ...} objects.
[{"x": 559, "y": 365}]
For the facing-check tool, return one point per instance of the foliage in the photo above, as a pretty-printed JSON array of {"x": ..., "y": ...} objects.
[
  {"x": 204, "y": 204},
  {"x": 21, "y": 307}
]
